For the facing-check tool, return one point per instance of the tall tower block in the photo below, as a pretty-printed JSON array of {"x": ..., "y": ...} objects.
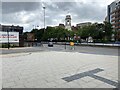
[{"x": 68, "y": 22}]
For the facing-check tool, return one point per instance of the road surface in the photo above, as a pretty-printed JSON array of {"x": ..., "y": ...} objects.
[{"x": 80, "y": 49}]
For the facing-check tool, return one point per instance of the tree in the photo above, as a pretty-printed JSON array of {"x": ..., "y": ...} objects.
[
  {"x": 108, "y": 30},
  {"x": 87, "y": 31},
  {"x": 35, "y": 31},
  {"x": 25, "y": 35},
  {"x": 38, "y": 33},
  {"x": 83, "y": 32},
  {"x": 96, "y": 31}
]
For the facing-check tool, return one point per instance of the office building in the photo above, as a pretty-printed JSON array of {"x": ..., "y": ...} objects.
[
  {"x": 80, "y": 25},
  {"x": 113, "y": 16}
]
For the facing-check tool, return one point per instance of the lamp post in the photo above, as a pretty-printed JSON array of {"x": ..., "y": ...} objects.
[{"x": 44, "y": 17}]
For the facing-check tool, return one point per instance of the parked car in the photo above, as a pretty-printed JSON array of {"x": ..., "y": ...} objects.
[{"x": 50, "y": 44}]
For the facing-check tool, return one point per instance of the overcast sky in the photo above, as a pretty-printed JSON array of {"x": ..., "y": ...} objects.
[{"x": 30, "y": 14}]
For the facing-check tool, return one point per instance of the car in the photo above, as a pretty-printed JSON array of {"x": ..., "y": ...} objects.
[{"x": 50, "y": 44}]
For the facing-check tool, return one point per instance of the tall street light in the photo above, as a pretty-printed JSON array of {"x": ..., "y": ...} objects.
[{"x": 44, "y": 17}]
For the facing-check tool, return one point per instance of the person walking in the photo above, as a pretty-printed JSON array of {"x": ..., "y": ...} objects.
[{"x": 72, "y": 45}]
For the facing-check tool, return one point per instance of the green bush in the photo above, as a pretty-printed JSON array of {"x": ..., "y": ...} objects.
[{"x": 6, "y": 46}]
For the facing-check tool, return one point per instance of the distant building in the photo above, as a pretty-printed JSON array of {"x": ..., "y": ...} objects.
[
  {"x": 62, "y": 25},
  {"x": 12, "y": 28},
  {"x": 113, "y": 16},
  {"x": 74, "y": 28},
  {"x": 68, "y": 22},
  {"x": 30, "y": 37},
  {"x": 80, "y": 25}
]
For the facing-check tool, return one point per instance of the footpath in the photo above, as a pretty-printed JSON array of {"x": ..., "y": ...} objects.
[{"x": 91, "y": 44}]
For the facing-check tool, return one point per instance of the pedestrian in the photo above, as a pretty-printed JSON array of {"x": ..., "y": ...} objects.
[{"x": 72, "y": 45}]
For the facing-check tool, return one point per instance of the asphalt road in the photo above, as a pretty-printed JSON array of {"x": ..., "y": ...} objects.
[{"x": 80, "y": 49}]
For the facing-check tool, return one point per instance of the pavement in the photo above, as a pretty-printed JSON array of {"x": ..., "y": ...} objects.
[
  {"x": 103, "y": 44},
  {"x": 94, "y": 44},
  {"x": 60, "y": 68}
]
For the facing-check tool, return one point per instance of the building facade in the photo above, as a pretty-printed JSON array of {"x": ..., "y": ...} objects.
[
  {"x": 12, "y": 28},
  {"x": 113, "y": 16},
  {"x": 68, "y": 22},
  {"x": 80, "y": 25},
  {"x": 61, "y": 25}
]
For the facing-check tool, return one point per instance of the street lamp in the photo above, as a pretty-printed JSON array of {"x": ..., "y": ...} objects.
[{"x": 44, "y": 17}]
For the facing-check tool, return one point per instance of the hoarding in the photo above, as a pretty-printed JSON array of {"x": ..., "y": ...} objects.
[{"x": 13, "y": 37}]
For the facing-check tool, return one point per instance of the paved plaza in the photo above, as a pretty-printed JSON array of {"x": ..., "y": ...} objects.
[{"x": 59, "y": 69}]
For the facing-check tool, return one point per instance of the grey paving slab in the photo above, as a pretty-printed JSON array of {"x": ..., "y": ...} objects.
[
  {"x": 81, "y": 75},
  {"x": 46, "y": 70}
]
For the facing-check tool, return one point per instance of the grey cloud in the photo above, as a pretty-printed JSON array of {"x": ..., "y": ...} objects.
[
  {"x": 12, "y": 7},
  {"x": 89, "y": 11},
  {"x": 65, "y": 6},
  {"x": 55, "y": 9},
  {"x": 55, "y": 12},
  {"x": 80, "y": 11}
]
